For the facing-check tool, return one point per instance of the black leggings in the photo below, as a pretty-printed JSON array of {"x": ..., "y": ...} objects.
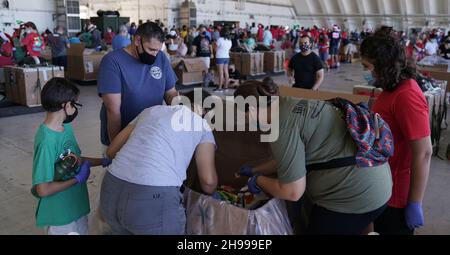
[
  {"x": 392, "y": 222},
  {"x": 326, "y": 222}
]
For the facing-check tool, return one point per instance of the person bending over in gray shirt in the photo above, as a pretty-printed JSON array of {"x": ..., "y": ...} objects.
[{"x": 141, "y": 192}]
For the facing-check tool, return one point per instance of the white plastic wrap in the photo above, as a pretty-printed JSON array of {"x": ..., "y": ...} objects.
[{"x": 208, "y": 216}]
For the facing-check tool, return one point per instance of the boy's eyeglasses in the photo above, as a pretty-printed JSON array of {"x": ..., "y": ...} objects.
[{"x": 76, "y": 105}]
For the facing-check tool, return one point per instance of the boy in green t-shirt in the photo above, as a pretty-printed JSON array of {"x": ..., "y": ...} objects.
[{"x": 59, "y": 171}]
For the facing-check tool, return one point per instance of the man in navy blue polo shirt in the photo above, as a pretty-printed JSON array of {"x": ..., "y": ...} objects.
[{"x": 134, "y": 78}]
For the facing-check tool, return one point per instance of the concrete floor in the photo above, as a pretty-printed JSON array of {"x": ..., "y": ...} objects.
[{"x": 16, "y": 154}]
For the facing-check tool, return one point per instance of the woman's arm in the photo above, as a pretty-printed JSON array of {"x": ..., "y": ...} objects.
[
  {"x": 289, "y": 192},
  {"x": 422, "y": 151},
  {"x": 119, "y": 141},
  {"x": 267, "y": 169}
]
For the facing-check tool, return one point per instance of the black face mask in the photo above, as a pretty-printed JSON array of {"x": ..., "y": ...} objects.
[
  {"x": 144, "y": 57},
  {"x": 304, "y": 48},
  {"x": 71, "y": 118}
]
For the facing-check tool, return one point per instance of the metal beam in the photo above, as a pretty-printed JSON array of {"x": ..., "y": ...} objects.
[
  {"x": 341, "y": 6},
  {"x": 361, "y": 7},
  {"x": 295, "y": 8}
]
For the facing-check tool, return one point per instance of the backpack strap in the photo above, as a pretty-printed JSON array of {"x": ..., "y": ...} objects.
[{"x": 332, "y": 164}]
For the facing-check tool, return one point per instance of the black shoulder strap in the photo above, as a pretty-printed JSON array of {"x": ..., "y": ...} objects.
[{"x": 332, "y": 164}]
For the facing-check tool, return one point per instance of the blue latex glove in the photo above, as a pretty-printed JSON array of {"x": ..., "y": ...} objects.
[
  {"x": 246, "y": 170},
  {"x": 85, "y": 171},
  {"x": 252, "y": 186},
  {"x": 216, "y": 196},
  {"x": 106, "y": 162},
  {"x": 414, "y": 215}
]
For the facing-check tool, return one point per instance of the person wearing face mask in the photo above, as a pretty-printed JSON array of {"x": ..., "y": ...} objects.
[
  {"x": 175, "y": 45},
  {"x": 346, "y": 198},
  {"x": 63, "y": 199},
  {"x": 32, "y": 41},
  {"x": 133, "y": 79},
  {"x": 305, "y": 69},
  {"x": 404, "y": 107},
  {"x": 202, "y": 48}
]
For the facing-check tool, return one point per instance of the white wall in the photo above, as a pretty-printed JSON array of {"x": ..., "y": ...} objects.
[
  {"x": 207, "y": 11},
  {"x": 143, "y": 9},
  {"x": 40, "y": 12}
]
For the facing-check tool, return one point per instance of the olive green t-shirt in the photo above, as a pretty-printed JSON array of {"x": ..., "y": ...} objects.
[
  {"x": 66, "y": 206},
  {"x": 314, "y": 132}
]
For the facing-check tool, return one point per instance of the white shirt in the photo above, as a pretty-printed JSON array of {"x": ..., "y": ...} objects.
[
  {"x": 223, "y": 48},
  {"x": 158, "y": 151},
  {"x": 267, "y": 38},
  {"x": 431, "y": 48}
]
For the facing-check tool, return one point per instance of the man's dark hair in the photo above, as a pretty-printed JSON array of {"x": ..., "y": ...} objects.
[
  {"x": 31, "y": 25},
  {"x": 306, "y": 36},
  {"x": 150, "y": 30},
  {"x": 388, "y": 55},
  {"x": 56, "y": 92},
  {"x": 225, "y": 33}
]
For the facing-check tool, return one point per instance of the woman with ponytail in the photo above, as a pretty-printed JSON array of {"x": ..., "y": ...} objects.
[{"x": 346, "y": 199}]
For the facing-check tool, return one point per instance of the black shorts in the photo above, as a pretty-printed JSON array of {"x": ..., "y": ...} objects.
[
  {"x": 392, "y": 222},
  {"x": 325, "y": 222},
  {"x": 334, "y": 50}
]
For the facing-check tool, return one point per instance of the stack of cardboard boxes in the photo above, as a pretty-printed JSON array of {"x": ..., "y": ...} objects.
[
  {"x": 82, "y": 63},
  {"x": 23, "y": 85},
  {"x": 248, "y": 64},
  {"x": 189, "y": 71},
  {"x": 274, "y": 61}
]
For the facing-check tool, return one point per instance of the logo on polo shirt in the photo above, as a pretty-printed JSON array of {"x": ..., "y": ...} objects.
[{"x": 156, "y": 72}]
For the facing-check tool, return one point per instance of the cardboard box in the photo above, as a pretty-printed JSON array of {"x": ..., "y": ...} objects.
[
  {"x": 274, "y": 61},
  {"x": 83, "y": 64},
  {"x": 321, "y": 95},
  {"x": 23, "y": 85},
  {"x": 234, "y": 149},
  {"x": 251, "y": 64},
  {"x": 370, "y": 91},
  {"x": 189, "y": 71},
  {"x": 438, "y": 72}
]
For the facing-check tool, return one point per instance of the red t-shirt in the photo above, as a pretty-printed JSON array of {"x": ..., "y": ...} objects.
[
  {"x": 109, "y": 37},
  {"x": 34, "y": 44},
  {"x": 6, "y": 58},
  {"x": 344, "y": 35},
  {"x": 406, "y": 112}
]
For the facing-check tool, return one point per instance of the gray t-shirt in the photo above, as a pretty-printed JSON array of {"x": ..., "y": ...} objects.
[
  {"x": 314, "y": 132},
  {"x": 161, "y": 146}
]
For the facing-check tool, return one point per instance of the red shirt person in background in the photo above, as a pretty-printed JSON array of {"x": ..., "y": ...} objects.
[
  {"x": 109, "y": 35},
  {"x": 33, "y": 42},
  {"x": 260, "y": 32},
  {"x": 6, "y": 50},
  {"x": 403, "y": 106}
]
